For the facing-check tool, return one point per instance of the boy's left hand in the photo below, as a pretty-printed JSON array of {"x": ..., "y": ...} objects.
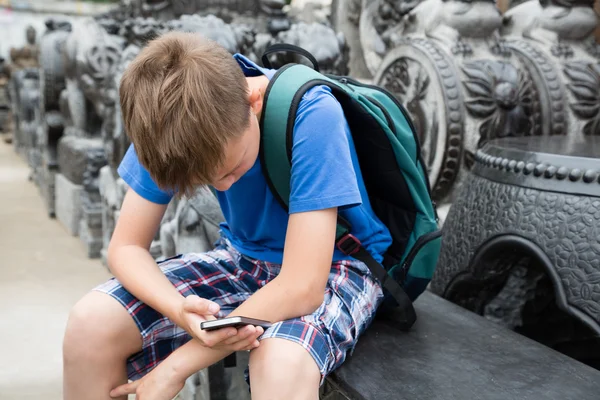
[
  {"x": 158, "y": 384},
  {"x": 196, "y": 310}
]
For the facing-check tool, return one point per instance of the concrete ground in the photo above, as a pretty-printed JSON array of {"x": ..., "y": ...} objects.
[{"x": 43, "y": 272}]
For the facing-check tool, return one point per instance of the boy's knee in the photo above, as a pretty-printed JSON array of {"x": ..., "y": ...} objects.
[
  {"x": 97, "y": 328},
  {"x": 283, "y": 363}
]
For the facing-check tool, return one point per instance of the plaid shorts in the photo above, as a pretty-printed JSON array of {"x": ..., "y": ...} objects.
[{"x": 228, "y": 278}]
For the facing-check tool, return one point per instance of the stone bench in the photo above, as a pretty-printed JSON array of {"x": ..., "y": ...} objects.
[{"x": 452, "y": 353}]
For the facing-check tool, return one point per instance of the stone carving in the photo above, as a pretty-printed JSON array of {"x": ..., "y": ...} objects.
[
  {"x": 90, "y": 231},
  {"x": 584, "y": 85},
  {"x": 92, "y": 57},
  {"x": 552, "y": 206},
  {"x": 24, "y": 94},
  {"x": 532, "y": 71},
  {"x": 26, "y": 56},
  {"x": 379, "y": 21},
  {"x": 553, "y": 42},
  {"x": 499, "y": 94},
  {"x": 51, "y": 121},
  {"x": 461, "y": 65},
  {"x": 87, "y": 104},
  {"x": 112, "y": 192},
  {"x": 329, "y": 48},
  {"x": 193, "y": 225},
  {"x": 4, "y": 100},
  {"x": 424, "y": 79}
]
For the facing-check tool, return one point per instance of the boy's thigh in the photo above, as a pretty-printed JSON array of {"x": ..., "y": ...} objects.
[{"x": 350, "y": 302}]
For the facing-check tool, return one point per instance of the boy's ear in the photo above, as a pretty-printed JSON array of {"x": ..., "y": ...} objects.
[{"x": 256, "y": 100}]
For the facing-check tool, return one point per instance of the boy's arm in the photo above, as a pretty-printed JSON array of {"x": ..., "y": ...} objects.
[
  {"x": 130, "y": 261},
  {"x": 297, "y": 291},
  {"x": 300, "y": 287}
]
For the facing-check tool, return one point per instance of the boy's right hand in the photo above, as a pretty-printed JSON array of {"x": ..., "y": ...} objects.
[{"x": 196, "y": 310}]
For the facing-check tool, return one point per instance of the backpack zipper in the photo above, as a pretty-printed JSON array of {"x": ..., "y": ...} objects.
[
  {"x": 385, "y": 112},
  {"x": 421, "y": 241}
]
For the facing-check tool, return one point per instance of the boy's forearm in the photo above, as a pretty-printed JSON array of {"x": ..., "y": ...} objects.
[
  {"x": 137, "y": 271},
  {"x": 279, "y": 300},
  {"x": 191, "y": 358}
]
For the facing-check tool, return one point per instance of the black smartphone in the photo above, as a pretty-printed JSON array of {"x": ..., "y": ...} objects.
[{"x": 236, "y": 322}]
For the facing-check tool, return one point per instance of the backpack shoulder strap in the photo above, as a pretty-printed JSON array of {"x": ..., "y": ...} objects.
[
  {"x": 281, "y": 101},
  {"x": 278, "y": 117}
]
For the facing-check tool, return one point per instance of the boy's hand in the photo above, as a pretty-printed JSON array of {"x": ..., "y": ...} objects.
[
  {"x": 196, "y": 310},
  {"x": 161, "y": 383}
]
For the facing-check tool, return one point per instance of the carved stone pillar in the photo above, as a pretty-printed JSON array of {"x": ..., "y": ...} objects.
[
  {"x": 4, "y": 100},
  {"x": 557, "y": 48},
  {"x": 112, "y": 191},
  {"x": 90, "y": 228},
  {"x": 51, "y": 121},
  {"x": 459, "y": 84}
]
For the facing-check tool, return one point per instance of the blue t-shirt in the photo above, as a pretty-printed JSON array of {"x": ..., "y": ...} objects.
[{"x": 325, "y": 174}]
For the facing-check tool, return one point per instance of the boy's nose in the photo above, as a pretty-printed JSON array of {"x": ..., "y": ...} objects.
[{"x": 224, "y": 184}]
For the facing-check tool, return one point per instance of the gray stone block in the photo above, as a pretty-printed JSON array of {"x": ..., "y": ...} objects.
[
  {"x": 68, "y": 203},
  {"x": 47, "y": 188},
  {"x": 72, "y": 156},
  {"x": 92, "y": 240},
  {"x": 92, "y": 212}
]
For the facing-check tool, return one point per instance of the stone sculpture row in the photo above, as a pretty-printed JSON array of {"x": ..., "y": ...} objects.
[
  {"x": 465, "y": 72},
  {"x": 68, "y": 123},
  {"x": 468, "y": 73}
]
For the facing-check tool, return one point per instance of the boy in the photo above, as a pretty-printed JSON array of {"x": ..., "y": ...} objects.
[{"x": 192, "y": 112}]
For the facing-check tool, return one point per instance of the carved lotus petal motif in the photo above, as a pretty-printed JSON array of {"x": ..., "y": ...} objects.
[
  {"x": 586, "y": 110},
  {"x": 592, "y": 127},
  {"x": 481, "y": 107},
  {"x": 583, "y": 92},
  {"x": 579, "y": 72},
  {"x": 585, "y": 88},
  {"x": 501, "y": 95},
  {"x": 475, "y": 71},
  {"x": 476, "y": 88}
]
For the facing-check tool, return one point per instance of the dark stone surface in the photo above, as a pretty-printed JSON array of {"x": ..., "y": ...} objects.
[
  {"x": 451, "y": 353},
  {"x": 523, "y": 236},
  {"x": 560, "y": 164},
  {"x": 73, "y": 156}
]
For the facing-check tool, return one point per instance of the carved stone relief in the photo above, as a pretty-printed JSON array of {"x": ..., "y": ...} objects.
[
  {"x": 330, "y": 49},
  {"x": 4, "y": 99},
  {"x": 556, "y": 44}
]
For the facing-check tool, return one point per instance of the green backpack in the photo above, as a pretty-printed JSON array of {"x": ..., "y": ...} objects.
[{"x": 393, "y": 170}]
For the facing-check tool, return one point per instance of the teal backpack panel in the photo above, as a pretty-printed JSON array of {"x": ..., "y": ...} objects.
[{"x": 393, "y": 171}]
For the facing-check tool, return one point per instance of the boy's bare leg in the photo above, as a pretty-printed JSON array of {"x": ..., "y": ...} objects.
[
  {"x": 282, "y": 369},
  {"x": 99, "y": 338}
]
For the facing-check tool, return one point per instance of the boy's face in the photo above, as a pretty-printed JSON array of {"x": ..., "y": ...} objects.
[{"x": 240, "y": 156}]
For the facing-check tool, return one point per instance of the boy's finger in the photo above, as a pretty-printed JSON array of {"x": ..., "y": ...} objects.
[
  {"x": 200, "y": 306},
  {"x": 248, "y": 345},
  {"x": 243, "y": 334},
  {"x": 215, "y": 337},
  {"x": 128, "y": 388},
  {"x": 250, "y": 342}
]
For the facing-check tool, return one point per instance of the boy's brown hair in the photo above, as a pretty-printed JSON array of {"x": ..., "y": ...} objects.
[{"x": 182, "y": 98}]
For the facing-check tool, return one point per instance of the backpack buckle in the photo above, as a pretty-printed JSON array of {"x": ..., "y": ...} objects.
[{"x": 348, "y": 244}]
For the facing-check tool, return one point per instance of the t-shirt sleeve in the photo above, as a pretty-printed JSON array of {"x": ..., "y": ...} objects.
[
  {"x": 139, "y": 179},
  {"x": 323, "y": 175}
]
